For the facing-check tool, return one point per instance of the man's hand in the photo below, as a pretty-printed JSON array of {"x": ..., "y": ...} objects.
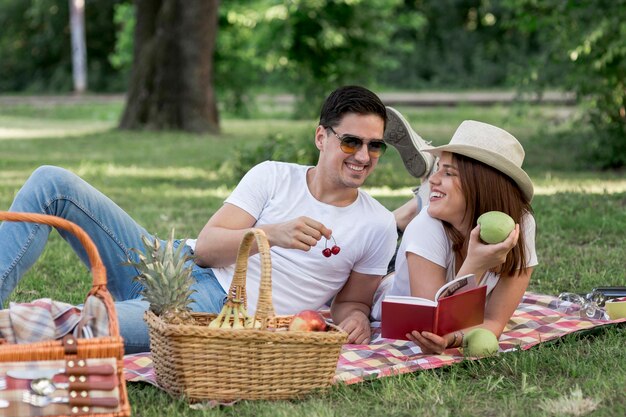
[
  {"x": 357, "y": 325},
  {"x": 352, "y": 305},
  {"x": 220, "y": 238},
  {"x": 302, "y": 233}
]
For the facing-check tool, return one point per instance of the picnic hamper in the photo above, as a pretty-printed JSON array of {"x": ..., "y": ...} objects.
[
  {"x": 268, "y": 363},
  {"x": 74, "y": 352}
]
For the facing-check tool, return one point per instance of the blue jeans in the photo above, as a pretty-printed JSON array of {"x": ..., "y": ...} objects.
[{"x": 58, "y": 192}]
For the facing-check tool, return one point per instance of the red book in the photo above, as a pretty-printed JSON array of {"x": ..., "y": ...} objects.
[{"x": 458, "y": 304}]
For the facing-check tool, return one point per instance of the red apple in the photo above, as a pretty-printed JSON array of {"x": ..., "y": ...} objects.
[{"x": 307, "y": 321}]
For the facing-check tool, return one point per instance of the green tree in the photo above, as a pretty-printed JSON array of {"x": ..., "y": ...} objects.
[
  {"x": 324, "y": 43},
  {"x": 454, "y": 44},
  {"x": 243, "y": 58},
  {"x": 583, "y": 50},
  {"x": 307, "y": 47},
  {"x": 32, "y": 46}
]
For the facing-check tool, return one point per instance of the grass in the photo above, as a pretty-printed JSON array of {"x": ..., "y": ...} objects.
[{"x": 168, "y": 180}]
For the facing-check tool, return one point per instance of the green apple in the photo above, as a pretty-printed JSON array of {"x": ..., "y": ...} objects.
[
  {"x": 495, "y": 226},
  {"x": 480, "y": 342}
]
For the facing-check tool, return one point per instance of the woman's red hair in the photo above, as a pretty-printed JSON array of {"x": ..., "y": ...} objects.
[{"x": 486, "y": 189}]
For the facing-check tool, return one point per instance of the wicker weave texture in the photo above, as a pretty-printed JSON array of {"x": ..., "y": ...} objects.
[
  {"x": 270, "y": 363},
  {"x": 95, "y": 348}
]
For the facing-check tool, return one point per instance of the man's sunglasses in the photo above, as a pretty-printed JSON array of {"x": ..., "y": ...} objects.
[{"x": 352, "y": 144}]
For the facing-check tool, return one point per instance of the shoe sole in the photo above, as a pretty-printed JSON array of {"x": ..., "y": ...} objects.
[{"x": 396, "y": 134}]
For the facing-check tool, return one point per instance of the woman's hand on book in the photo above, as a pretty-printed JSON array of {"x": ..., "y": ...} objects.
[{"x": 429, "y": 342}]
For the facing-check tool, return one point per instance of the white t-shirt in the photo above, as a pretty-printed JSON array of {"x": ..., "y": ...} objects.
[
  {"x": 275, "y": 192},
  {"x": 425, "y": 236}
]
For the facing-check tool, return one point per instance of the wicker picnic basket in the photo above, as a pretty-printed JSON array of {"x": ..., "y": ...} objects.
[
  {"x": 270, "y": 363},
  {"x": 77, "y": 350}
]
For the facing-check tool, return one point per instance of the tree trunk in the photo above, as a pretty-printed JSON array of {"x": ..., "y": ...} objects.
[
  {"x": 79, "y": 47},
  {"x": 171, "y": 86}
]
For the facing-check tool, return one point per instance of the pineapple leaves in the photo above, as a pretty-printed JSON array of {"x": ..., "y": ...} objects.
[{"x": 165, "y": 278}]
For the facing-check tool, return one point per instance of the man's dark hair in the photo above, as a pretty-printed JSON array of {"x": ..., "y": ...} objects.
[{"x": 350, "y": 99}]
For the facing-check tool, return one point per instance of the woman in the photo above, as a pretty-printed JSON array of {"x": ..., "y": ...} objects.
[{"x": 478, "y": 171}]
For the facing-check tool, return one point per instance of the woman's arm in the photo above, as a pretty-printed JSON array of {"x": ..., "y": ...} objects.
[
  {"x": 504, "y": 299},
  {"x": 502, "y": 303},
  {"x": 405, "y": 213},
  {"x": 426, "y": 278}
]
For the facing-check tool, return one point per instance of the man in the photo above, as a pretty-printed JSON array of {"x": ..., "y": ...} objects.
[{"x": 301, "y": 209}]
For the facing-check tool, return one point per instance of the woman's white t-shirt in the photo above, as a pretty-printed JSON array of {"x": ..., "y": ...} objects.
[{"x": 425, "y": 236}]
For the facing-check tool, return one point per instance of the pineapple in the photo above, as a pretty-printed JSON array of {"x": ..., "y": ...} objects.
[{"x": 165, "y": 279}]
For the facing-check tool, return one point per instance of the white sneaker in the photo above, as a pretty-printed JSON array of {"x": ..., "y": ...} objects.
[{"x": 409, "y": 144}]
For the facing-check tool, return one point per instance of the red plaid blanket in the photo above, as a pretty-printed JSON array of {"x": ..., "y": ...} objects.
[
  {"x": 536, "y": 320},
  {"x": 46, "y": 319}
]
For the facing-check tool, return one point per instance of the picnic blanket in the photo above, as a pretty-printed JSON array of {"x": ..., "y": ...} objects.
[{"x": 538, "y": 318}]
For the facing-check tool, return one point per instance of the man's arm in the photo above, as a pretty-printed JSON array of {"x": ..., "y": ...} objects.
[
  {"x": 220, "y": 238},
  {"x": 352, "y": 305}
]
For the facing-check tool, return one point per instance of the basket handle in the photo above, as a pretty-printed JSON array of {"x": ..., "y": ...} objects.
[
  {"x": 98, "y": 271},
  {"x": 265, "y": 307}
]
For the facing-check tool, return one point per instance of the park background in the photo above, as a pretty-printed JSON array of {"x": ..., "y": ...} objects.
[{"x": 171, "y": 154}]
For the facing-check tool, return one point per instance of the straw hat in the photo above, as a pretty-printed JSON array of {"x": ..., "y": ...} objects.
[{"x": 492, "y": 146}]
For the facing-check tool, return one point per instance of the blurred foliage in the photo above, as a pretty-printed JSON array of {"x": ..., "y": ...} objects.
[
  {"x": 320, "y": 44},
  {"x": 308, "y": 47},
  {"x": 31, "y": 46},
  {"x": 584, "y": 51},
  {"x": 124, "y": 18},
  {"x": 298, "y": 148},
  {"x": 455, "y": 44},
  {"x": 36, "y": 49},
  {"x": 244, "y": 46}
]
